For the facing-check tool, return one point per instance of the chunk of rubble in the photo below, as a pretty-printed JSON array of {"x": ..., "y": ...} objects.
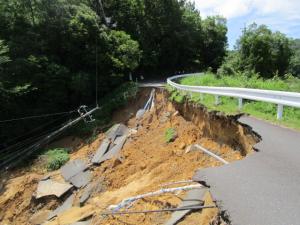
[
  {"x": 50, "y": 187},
  {"x": 81, "y": 179},
  {"x": 87, "y": 192},
  {"x": 65, "y": 206},
  {"x": 114, "y": 150},
  {"x": 193, "y": 198},
  {"x": 191, "y": 148},
  {"x": 140, "y": 113},
  {"x": 117, "y": 130},
  {"x": 88, "y": 222},
  {"x": 73, "y": 215},
  {"x": 101, "y": 151},
  {"x": 72, "y": 168}
]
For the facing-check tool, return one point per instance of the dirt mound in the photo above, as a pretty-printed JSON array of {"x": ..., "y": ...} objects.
[{"x": 145, "y": 163}]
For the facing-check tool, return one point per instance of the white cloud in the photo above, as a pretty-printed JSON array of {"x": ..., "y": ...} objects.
[
  {"x": 282, "y": 15},
  {"x": 236, "y": 8}
]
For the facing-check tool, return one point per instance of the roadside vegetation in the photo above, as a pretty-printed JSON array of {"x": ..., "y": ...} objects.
[
  {"x": 56, "y": 158},
  {"x": 228, "y": 105},
  {"x": 262, "y": 59}
]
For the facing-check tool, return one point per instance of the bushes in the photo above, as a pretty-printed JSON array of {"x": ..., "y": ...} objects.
[
  {"x": 170, "y": 135},
  {"x": 56, "y": 158}
]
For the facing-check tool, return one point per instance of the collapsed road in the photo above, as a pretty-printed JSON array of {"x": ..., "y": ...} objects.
[
  {"x": 133, "y": 174},
  {"x": 263, "y": 188}
]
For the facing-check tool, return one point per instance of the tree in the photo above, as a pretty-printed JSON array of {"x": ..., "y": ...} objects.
[
  {"x": 264, "y": 51},
  {"x": 295, "y": 60}
]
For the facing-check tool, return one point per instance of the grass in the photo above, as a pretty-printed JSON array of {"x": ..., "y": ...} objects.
[
  {"x": 228, "y": 105},
  {"x": 170, "y": 135},
  {"x": 56, "y": 158}
]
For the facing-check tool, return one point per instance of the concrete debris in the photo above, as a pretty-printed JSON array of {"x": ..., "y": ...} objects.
[
  {"x": 190, "y": 148},
  {"x": 132, "y": 131},
  {"x": 101, "y": 151},
  {"x": 81, "y": 179},
  {"x": 50, "y": 187},
  {"x": 87, "y": 192},
  {"x": 72, "y": 168},
  {"x": 65, "y": 206},
  {"x": 193, "y": 198},
  {"x": 117, "y": 130},
  {"x": 90, "y": 189},
  {"x": 88, "y": 222},
  {"x": 114, "y": 150},
  {"x": 39, "y": 217},
  {"x": 140, "y": 113},
  {"x": 73, "y": 215}
]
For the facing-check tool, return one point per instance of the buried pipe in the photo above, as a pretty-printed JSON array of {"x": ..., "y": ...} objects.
[
  {"x": 211, "y": 154},
  {"x": 149, "y": 100},
  {"x": 160, "y": 210},
  {"x": 131, "y": 200}
]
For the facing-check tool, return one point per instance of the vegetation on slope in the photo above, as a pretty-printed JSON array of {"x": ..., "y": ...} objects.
[{"x": 291, "y": 116}]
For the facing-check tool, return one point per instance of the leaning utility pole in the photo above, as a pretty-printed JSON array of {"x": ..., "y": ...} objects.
[{"x": 15, "y": 159}]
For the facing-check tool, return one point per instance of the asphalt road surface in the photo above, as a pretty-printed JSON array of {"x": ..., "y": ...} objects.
[{"x": 264, "y": 187}]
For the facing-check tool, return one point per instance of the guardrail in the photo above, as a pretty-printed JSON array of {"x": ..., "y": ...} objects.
[{"x": 280, "y": 98}]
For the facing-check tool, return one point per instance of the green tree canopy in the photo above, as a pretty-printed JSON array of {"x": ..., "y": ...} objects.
[{"x": 264, "y": 51}]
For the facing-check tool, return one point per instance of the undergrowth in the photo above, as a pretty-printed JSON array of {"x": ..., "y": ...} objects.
[
  {"x": 263, "y": 110},
  {"x": 56, "y": 158},
  {"x": 170, "y": 135},
  {"x": 115, "y": 99}
]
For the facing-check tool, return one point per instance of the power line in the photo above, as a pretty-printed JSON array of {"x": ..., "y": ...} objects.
[
  {"x": 37, "y": 116},
  {"x": 32, "y": 131},
  {"x": 16, "y": 158}
]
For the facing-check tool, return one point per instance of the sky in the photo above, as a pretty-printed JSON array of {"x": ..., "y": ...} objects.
[{"x": 278, "y": 15}]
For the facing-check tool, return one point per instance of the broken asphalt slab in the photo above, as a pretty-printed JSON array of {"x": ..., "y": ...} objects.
[
  {"x": 88, "y": 222},
  {"x": 263, "y": 188},
  {"x": 65, "y": 206},
  {"x": 50, "y": 187},
  {"x": 81, "y": 179},
  {"x": 114, "y": 150},
  {"x": 72, "y": 168},
  {"x": 101, "y": 151},
  {"x": 117, "y": 130},
  {"x": 192, "y": 198}
]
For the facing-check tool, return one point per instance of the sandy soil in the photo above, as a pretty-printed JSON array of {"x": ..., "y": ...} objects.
[{"x": 147, "y": 162}]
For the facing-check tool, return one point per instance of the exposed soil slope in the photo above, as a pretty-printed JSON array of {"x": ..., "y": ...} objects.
[{"x": 145, "y": 163}]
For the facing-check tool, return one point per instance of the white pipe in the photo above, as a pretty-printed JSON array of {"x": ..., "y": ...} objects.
[{"x": 211, "y": 154}]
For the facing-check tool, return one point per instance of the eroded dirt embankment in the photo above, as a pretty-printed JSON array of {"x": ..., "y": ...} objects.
[
  {"x": 147, "y": 162},
  {"x": 219, "y": 127}
]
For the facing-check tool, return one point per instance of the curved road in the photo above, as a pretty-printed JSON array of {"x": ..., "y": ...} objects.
[{"x": 264, "y": 187}]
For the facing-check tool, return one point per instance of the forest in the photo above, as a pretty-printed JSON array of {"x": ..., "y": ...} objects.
[{"x": 56, "y": 55}]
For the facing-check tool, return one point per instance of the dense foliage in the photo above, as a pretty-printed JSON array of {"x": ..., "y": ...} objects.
[
  {"x": 295, "y": 61},
  {"x": 259, "y": 50},
  {"x": 50, "y": 51}
]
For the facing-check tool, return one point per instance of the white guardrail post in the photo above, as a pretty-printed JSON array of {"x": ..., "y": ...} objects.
[
  {"x": 217, "y": 100},
  {"x": 280, "y": 98},
  {"x": 240, "y": 104},
  {"x": 279, "y": 111}
]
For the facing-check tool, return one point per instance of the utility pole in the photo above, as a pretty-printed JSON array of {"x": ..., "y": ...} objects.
[{"x": 13, "y": 161}]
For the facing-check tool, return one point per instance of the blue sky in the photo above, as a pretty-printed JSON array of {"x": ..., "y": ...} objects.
[{"x": 279, "y": 15}]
